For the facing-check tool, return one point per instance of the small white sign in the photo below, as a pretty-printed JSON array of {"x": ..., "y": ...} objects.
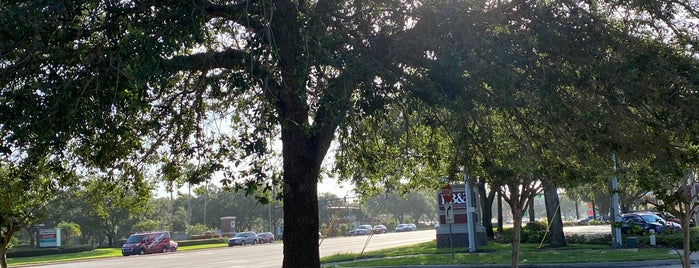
[
  {"x": 449, "y": 209},
  {"x": 49, "y": 238}
]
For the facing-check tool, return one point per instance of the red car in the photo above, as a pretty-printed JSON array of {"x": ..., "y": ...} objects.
[
  {"x": 380, "y": 229},
  {"x": 265, "y": 237},
  {"x": 146, "y": 243}
]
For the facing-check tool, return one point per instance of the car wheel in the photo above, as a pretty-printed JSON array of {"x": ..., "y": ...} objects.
[
  {"x": 242, "y": 243},
  {"x": 164, "y": 250},
  {"x": 254, "y": 242},
  {"x": 141, "y": 251}
]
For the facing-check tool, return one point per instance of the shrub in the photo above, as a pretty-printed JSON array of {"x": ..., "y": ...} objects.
[
  {"x": 533, "y": 232},
  {"x": 69, "y": 231},
  {"x": 201, "y": 242},
  {"x": 33, "y": 252},
  {"x": 196, "y": 229},
  {"x": 600, "y": 240},
  {"x": 674, "y": 240},
  {"x": 576, "y": 239},
  {"x": 146, "y": 225}
]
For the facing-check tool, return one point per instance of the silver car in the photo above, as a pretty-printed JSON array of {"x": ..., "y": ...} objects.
[{"x": 242, "y": 239}]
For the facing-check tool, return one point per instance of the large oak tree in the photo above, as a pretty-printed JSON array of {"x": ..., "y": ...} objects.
[{"x": 116, "y": 86}]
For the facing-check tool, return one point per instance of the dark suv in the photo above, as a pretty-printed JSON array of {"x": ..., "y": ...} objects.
[{"x": 646, "y": 223}]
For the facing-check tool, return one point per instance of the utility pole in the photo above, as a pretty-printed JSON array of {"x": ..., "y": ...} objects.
[
  {"x": 615, "y": 208},
  {"x": 470, "y": 219}
]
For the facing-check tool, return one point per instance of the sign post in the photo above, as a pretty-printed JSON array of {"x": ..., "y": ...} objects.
[{"x": 449, "y": 211}]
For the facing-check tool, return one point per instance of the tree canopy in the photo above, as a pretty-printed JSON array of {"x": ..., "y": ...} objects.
[{"x": 115, "y": 89}]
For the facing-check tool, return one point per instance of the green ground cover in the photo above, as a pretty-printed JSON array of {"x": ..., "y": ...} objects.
[{"x": 495, "y": 253}]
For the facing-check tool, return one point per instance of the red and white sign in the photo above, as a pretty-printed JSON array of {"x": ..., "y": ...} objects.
[
  {"x": 452, "y": 202},
  {"x": 447, "y": 193}
]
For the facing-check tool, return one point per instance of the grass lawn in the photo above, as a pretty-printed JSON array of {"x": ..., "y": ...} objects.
[
  {"x": 425, "y": 253},
  {"x": 97, "y": 253},
  {"x": 494, "y": 253}
]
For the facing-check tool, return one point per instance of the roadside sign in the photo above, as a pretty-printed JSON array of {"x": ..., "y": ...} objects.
[
  {"x": 449, "y": 209},
  {"x": 446, "y": 193}
]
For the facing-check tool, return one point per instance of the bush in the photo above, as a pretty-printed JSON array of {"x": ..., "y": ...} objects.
[
  {"x": 197, "y": 229},
  {"x": 146, "y": 225},
  {"x": 202, "y": 242},
  {"x": 69, "y": 231},
  {"x": 33, "y": 252},
  {"x": 576, "y": 239},
  {"x": 206, "y": 235},
  {"x": 533, "y": 232},
  {"x": 600, "y": 240},
  {"x": 675, "y": 240}
]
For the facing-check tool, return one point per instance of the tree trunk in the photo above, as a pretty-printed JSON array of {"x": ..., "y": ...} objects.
[
  {"x": 532, "y": 213},
  {"x": 553, "y": 214},
  {"x": 686, "y": 250},
  {"x": 594, "y": 210},
  {"x": 486, "y": 200},
  {"x": 517, "y": 215},
  {"x": 3, "y": 255},
  {"x": 303, "y": 152},
  {"x": 5, "y": 237},
  {"x": 110, "y": 239},
  {"x": 501, "y": 229},
  {"x": 577, "y": 210},
  {"x": 301, "y": 213},
  {"x": 686, "y": 247}
]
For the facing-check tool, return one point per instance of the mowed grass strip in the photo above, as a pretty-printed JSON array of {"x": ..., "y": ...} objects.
[
  {"x": 495, "y": 253},
  {"x": 94, "y": 254}
]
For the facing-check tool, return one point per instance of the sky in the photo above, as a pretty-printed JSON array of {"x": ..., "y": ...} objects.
[
  {"x": 327, "y": 186},
  {"x": 333, "y": 186}
]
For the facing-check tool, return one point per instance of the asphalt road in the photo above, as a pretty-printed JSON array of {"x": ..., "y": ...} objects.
[
  {"x": 263, "y": 256},
  {"x": 270, "y": 255}
]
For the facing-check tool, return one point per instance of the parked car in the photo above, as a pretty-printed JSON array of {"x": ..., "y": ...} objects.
[
  {"x": 242, "y": 239},
  {"x": 671, "y": 223},
  {"x": 672, "y": 219},
  {"x": 586, "y": 221},
  {"x": 265, "y": 237},
  {"x": 380, "y": 229},
  {"x": 405, "y": 227},
  {"x": 150, "y": 242},
  {"x": 646, "y": 222},
  {"x": 361, "y": 230}
]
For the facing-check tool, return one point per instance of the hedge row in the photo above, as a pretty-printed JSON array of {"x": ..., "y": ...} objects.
[
  {"x": 201, "y": 242},
  {"x": 205, "y": 236},
  {"x": 536, "y": 232},
  {"x": 33, "y": 252}
]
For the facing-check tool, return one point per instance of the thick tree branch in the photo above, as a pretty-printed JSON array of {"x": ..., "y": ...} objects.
[
  {"x": 228, "y": 59},
  {"x": 239, "y": 12}
]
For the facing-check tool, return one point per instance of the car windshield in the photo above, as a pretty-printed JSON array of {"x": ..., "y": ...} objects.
[
  {"x": 651, "y": 218},
  {"x": 240, "y": 235},
  {"x": 134, "y": 239}
]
